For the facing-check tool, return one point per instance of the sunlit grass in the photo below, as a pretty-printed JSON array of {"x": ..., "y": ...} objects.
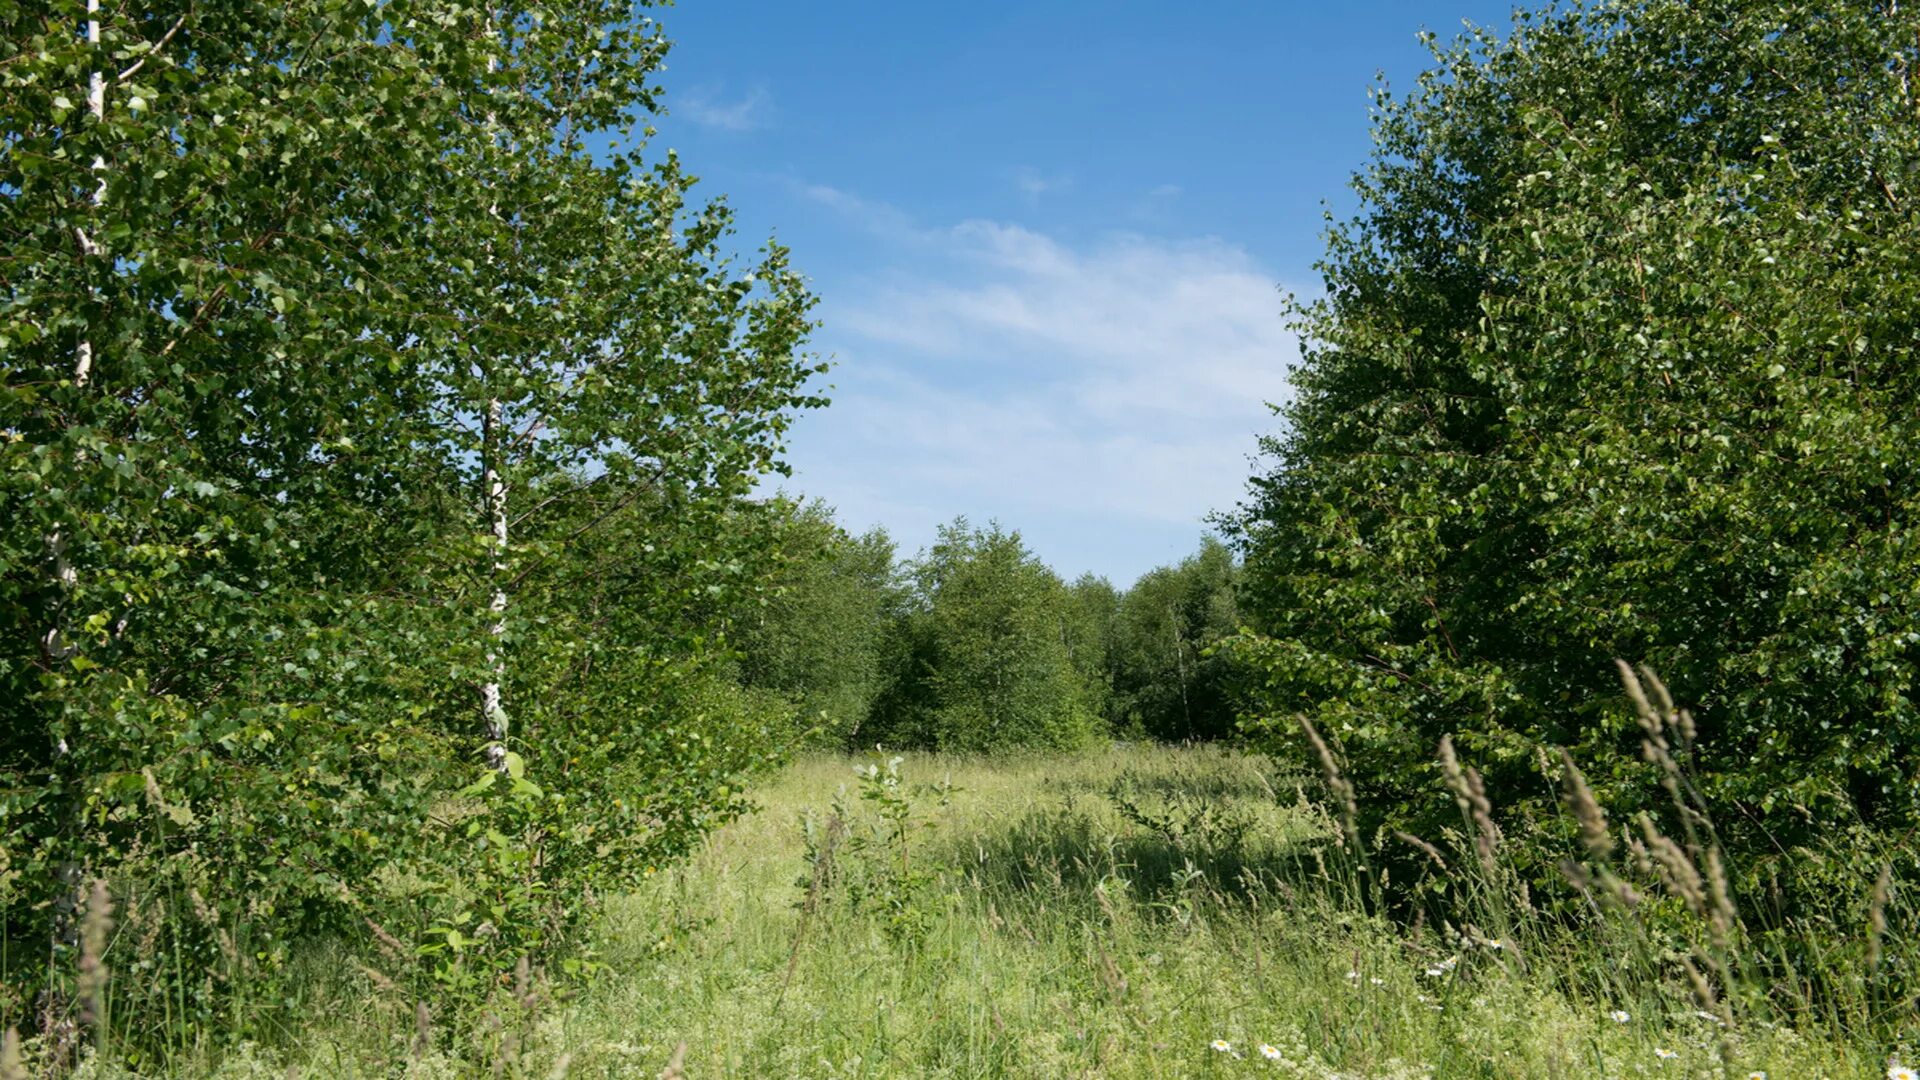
[{"x": 1135, "y": 912}]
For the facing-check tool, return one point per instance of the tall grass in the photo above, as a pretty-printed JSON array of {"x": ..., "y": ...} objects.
[{"x": 1121, "y": 913}]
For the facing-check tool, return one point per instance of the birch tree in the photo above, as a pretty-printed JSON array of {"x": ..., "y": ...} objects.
[
  {"x": 1616, "y": 360},
  {"x": 238, "y": 380}
]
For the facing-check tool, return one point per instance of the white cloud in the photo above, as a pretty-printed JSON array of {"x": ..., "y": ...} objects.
[
  {"x": 704, "y": 107},
  {"x": 1033, "y": 184},
  {"x": 1117, "y": 384},
  {"x": 1139, "y": 328}
]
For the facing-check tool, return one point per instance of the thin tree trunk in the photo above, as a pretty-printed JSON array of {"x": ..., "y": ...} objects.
[
  {"x": 493, "y": 447},
  {"x": 1180, "y": 669},
  {"x": 97, "y": 105},
  {"x": 65, "y": 577},
  {"x": 63, "y": 933},
  {"x": 493, "y": 710}
]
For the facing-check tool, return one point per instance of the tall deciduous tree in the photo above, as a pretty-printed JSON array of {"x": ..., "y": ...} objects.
[
  {"x": 1616, "y": 360},
  {"x": 984, "y": 659},
  {"x": 305, "y": 301},
  {"x": 1169, "y": 681},
  {"x": 818, "y": 636}
]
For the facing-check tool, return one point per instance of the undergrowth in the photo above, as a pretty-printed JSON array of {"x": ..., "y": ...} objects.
[{"x": 1138, "y": 912}]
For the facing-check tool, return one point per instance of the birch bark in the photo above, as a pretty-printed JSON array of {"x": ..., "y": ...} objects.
[
  {"x": 492, "y": 708},
  {"x": 493, "y": 479}
]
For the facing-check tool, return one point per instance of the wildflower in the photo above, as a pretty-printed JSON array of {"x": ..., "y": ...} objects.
[
  {"x": 1709, "y": 1017},
  {"x": 1901, "y": 1072},
  {"x": 1619, "y": 1016},
  {"x": 1377, "y": 981},
  {"x": 1223, "y": 1046},
  {"x": 1354, "y": 975},
  {"x": 1494, "y": 943},
  {"x": 1270, "y": 1051},
  {"x": 1757, "y": 1074},
  {"x": 1664, "y": 1054}
]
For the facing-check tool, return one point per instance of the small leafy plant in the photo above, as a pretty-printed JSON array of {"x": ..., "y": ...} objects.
[{"x": 889, "y": 872}]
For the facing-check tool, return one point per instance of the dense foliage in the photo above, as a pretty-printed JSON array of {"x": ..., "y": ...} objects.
[
  {"x": 818, "y": 637},
  {"x": 975, "y": 644},
  {"x": 1170, "y": 682},
  {"x": 376, "y": 428},
  {"x": 982, "y": 656},
  {"x": 1617, "y": 359}
]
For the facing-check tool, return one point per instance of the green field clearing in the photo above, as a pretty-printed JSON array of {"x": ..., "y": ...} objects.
[{"x": 1042, "y": 931}]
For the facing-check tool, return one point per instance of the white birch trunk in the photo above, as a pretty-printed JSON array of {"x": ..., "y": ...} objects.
[
  {"x": 67, "y": 874},
  {"x": 97, "y": 105},
  {"x": 492, "y": 707},
  {"x": 64, "y": 574}
]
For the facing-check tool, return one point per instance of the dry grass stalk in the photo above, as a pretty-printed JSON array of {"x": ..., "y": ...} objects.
[
  {"x": 205, "y": 911},
  {"x": 1110, "y": 973},
  {"x": 675, "y": 1064},
  {"x": 1703, "y": 990},
  {"x": 91, "y": 984},
  {"x": 390, "y": 946},
  {"x": 1586, "y": 810},
  {"x": 1877, "y": 916},
  {"x": 380, "y": 982},
  {"x": 11, "y": 1067},
  {"x": 152, "y": 786},
  {"x": 1337, "y": 783},
  {"x": 1656, "y": 721},
  {"x": 525, "y": 990},
  {"x": 1471, "y": 793},
  {"x": 1425, "y": 848},
  {"x": 1722, "y": 917},
  {"x": 422, "y": 1030},
  {"x": 1678, "y": 871}
]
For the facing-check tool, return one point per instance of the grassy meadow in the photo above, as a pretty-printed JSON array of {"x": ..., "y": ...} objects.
[{"x": 1110, "y": 914}]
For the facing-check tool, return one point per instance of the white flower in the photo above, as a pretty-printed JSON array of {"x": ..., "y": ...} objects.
[
  {"x": 1619, "y": 1016},
  {"x": 1378, "y": 981},
  {"x": 1353, "y": 975},
  {"x": 1901, "y": 1072},
  {"x": 1757, "y": 1074},
  {"x": 1223, "y": 1046},
  {"x": 1270, "y": 1051},
  {"x": 1664, "y": 1054}
]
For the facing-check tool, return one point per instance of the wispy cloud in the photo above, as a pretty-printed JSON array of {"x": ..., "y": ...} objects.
[
  {"x": 1115, "y": 384},
  {"x": 707, "y": 108},
  {"x": 1032, "y": 183}
]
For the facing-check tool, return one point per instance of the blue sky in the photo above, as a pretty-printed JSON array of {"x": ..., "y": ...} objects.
[{"x": 1050, "y": 238}]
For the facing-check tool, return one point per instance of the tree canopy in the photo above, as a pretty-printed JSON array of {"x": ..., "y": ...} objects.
[
  {"x": 377, "y": 421},
  {"x": 1615, "y": 360}
]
